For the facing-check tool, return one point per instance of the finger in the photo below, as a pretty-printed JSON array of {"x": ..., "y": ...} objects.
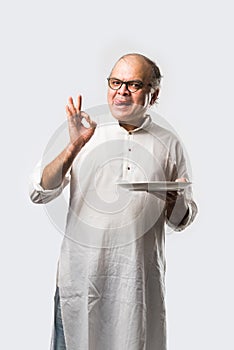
[
  {"x": 73, "y": 117},
  {"x": 182, "y": 179},
  {"x": 68, "y": 111},
  {"x": 79, "y": 103},
  {"x": 88, "y": 134},
  {"x": 71, "y": 106},
  {"x": 91, "y": 123}
]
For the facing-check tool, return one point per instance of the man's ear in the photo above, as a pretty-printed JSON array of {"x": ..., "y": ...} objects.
[{"x": 154, "y": 96}]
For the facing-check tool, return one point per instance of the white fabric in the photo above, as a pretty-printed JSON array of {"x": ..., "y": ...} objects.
[{"x": 112, "y": 263}]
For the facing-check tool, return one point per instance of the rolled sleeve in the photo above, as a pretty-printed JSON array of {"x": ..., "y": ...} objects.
[
  {"x": 38, "y": 194},
  {"x": 191, "y": 213},
  {"x": 179, "y": 223},
  {"x": 179, "y": 169}
]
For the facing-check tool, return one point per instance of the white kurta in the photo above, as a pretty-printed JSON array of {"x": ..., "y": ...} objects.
[{"x": 112, "y": 263}]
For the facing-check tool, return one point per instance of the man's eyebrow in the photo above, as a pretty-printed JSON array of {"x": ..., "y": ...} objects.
[{"x": 138, "y": 80}]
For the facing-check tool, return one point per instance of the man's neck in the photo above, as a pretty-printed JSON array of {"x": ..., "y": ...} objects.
[
  {"x": 137, "y": 123},
  {"x": 128, "y": 127}
]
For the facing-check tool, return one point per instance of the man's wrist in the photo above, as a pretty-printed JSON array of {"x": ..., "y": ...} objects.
[{"x": 74, "y": 148}]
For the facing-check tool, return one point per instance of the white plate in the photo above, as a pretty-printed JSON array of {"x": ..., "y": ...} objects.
[{"x": 154, "y": 186}]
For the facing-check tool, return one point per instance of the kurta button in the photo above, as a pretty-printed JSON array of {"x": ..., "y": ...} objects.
[
  {"x": 130, "y": 133},
  {"x": 128, "y": 167},
  {"x": 129, "y": 149}
]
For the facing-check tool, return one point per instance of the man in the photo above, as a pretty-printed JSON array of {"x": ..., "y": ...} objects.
[{"x": 110, "y": 285}]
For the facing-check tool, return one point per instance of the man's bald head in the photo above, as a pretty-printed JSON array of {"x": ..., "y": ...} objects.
[{"x": 148, "y": 65}]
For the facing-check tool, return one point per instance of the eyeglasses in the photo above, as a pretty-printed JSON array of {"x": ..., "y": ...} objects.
[{"x": 132, "y": 85}]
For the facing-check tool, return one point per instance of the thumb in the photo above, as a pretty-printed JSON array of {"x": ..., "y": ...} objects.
[{"x": 181, "y": 179}]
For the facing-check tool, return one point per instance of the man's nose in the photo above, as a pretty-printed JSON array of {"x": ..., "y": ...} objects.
[{"x": 123, "y": 90}]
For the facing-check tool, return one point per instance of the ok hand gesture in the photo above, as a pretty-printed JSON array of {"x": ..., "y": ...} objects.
[{"x": 79, "y": 134}]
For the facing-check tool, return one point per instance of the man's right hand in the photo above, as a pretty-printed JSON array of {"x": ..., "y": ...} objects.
[
  {"x": 54, "y": 173},
  {"x": 79, "y": 134}
]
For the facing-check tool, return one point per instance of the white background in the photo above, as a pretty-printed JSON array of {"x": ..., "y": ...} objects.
[{"x": 53, "y": 49}]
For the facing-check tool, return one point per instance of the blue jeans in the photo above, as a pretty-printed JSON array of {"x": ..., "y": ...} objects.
[{"x": 59, "y": 341}]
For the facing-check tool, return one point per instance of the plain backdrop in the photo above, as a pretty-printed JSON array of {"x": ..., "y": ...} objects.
[{"x": 53, "y": 49}]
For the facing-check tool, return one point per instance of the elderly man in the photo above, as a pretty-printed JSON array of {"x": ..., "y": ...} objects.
[{"x": 110, "y": 282}]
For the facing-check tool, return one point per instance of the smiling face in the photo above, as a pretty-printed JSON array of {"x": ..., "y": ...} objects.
[{"x": 130, "y": 107}]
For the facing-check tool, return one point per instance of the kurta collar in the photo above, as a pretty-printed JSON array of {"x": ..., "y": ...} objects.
[{"x": 145, "y": 124}]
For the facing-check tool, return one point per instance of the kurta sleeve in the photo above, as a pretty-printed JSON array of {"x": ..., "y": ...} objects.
[
  {"x": 179, "y": 169},
  {"x": 188, "y": 218},
  {"x": 37, "y": 193}
]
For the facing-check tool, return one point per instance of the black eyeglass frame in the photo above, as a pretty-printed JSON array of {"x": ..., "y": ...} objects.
[{"x": 127, "y": 83}]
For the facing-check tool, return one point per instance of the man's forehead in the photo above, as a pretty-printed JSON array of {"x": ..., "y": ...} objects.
[{"x": 132, "y": 66}]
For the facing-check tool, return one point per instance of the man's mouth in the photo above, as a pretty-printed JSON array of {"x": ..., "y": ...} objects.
[{"x": 122, "y": 103}]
